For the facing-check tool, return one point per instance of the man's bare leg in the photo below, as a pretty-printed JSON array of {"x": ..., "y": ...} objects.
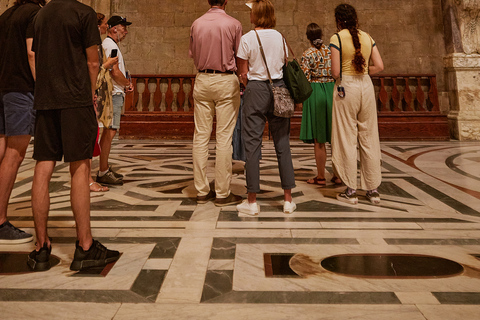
[
  {"x": 16, "y": 147},
  {"x": 80, "y": 200},
  {"x": 105, "y": 147},
  {"x": 3, "y": 146},
  {"x": 41, "y": 200}
]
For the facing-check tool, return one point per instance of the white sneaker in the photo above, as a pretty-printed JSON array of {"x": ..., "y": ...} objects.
[
  {"x": 373, "y": 197},
  {"x": 248, "y": 209},
  {"x": 289, "y": 207}
]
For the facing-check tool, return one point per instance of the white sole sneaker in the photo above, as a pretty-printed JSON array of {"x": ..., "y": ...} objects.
[
  {"x": 374, "y": 198},
  {"x": 352, "y": 199},
  {"x": 289, "y": 207},
  {"x": 246, "y": 209}
]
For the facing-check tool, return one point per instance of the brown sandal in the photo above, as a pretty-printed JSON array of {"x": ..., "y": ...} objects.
[
  {"x": 97, "y": 187},
  {"x": 317, "y": 181}
]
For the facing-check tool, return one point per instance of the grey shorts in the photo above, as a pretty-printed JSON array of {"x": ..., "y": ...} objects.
[
  {"x": 17, "y": 117},
  {"x": 117, "y": 101}
]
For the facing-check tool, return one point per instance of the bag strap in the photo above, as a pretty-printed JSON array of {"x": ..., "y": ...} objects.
[
  {"x": 263, "y": 56},
  {"x": 289, "y": 49},
  {"x": 341, "y": 60}
]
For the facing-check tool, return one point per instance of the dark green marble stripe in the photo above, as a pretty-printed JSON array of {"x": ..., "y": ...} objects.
[
  {"x": 311, "y": 297},
  {"x": 148, "y": 284},
  {"x": 458, "y": 297},
  {"x": 438, "y": 242},
  {"x": 53, "y": 295}
]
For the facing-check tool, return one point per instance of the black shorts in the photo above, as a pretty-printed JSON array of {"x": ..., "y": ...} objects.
[{"x": 70, "y": 133}]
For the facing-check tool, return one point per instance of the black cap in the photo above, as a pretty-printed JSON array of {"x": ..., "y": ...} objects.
[{"x": 116, "y": 20}]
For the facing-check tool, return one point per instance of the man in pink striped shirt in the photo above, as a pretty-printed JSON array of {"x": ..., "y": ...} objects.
[{"x": 214, "y": 40}]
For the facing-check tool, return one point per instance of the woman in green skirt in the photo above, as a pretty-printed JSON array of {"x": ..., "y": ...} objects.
[{"x": 317, "y": 109}]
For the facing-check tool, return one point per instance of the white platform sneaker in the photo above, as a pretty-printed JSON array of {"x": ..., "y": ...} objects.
[
  {"x": 246, "y": 209},
  {"x": 289, "y": 207}
]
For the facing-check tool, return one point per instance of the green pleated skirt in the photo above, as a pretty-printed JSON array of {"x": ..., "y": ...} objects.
[{"x": 317, "y": 114}]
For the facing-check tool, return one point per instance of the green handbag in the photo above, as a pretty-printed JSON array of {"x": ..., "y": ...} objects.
[{"x": 294, "y": 78}]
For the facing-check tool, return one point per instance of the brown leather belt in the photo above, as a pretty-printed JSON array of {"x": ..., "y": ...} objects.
[{"x": 215, "y": 71}]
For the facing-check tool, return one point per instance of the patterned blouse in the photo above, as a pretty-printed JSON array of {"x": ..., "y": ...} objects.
[{"x": 317, "y": 64}]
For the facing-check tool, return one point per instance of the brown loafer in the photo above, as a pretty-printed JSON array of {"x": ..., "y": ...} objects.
[
  {"x": 231, "y": 199},
  {"x": 204, "y": 199}
]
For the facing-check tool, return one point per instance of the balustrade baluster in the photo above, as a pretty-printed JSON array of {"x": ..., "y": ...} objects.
[
  {"x": 169, "y": 96},
  {"x": 190, "y": 96},
  {"x": 383, "y": 96},
  {"x": 135, "y": 95},
  {"x": 129, "y": 106},
  {"x": 180, "y": 97},
  {"x": 395, "y": 96},
  {"x": 158, "y": 95},
  {"x": 433, "y": 94},
  {"x": 420, "y": 96},
  {"x": 408, "y": 96},
  {"x": 146, "y": 96}
]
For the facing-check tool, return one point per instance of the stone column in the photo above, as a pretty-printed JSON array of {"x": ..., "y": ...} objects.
[{"x": 462, "y": 64}]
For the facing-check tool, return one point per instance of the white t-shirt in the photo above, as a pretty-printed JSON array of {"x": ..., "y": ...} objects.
[
  {"x": 272, "y": 43},
  {"x": 108, "y": 45}
]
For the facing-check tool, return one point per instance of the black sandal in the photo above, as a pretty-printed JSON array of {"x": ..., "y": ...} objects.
[
  {"x": 335, "y": 180},
  {"x": 318, "y": 181}
]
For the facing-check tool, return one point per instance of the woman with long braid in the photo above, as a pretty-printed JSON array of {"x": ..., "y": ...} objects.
[{"x": 355, "y": 56}]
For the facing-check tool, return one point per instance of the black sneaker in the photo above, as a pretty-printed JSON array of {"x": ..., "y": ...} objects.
[
  {"x": 109, "y": 178},
  {"x": 40, "y": 260},
  {"x": 9, "y": 234},
  {"x": 97, "y": 256},
  {"x": 115, "y": 173}
]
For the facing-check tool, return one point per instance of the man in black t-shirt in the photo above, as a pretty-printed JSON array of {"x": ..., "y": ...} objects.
[
  {"x": 65, "y": 42},
  {"x": 17, "y": 117}
]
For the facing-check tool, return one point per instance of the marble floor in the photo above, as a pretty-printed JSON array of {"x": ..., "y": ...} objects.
[{"x": 416, "y": 256}]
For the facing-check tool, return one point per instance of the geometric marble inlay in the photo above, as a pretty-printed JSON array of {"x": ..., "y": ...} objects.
[
  {"x": 277, "y": 265},
  {"x": 16, "y": 262},
  {"x": 392, "y": 266}
]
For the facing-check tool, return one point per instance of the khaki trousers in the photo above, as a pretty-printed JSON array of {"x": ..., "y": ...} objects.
[
  {"x": 214, "y": 95},
  {"x": 354, "y": 124}
]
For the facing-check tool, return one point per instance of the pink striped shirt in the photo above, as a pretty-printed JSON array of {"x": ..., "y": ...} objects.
[{"x": 214, "y": 40}]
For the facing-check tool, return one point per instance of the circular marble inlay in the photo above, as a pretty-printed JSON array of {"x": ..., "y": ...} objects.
[
  {"x": 16, "y": 262},
  {"x": 392, "y": 266}
]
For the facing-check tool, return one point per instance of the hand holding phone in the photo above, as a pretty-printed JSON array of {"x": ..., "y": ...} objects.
[{"x": 114, "y": 53}]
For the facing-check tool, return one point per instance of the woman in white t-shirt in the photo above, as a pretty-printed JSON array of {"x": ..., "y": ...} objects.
[{"x": 258, "y": 104}]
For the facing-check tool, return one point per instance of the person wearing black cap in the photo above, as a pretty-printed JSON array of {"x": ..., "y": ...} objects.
[{"x": 117, "y": 31}]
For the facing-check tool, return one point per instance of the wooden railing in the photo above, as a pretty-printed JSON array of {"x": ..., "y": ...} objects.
[
  {"x": 406, "y": 93},
  {"x": 161, "y": 106},
  {"x": 161, "y": 93},
  {"x": 394, "y": 92}
]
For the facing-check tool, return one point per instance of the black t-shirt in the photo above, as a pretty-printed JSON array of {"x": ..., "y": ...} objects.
[
  {"x": 16, "y": 26},
  {"x": 64, "y": 29}
]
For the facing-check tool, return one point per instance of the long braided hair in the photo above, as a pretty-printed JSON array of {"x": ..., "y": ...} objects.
[{"x": 347, "y": 19}]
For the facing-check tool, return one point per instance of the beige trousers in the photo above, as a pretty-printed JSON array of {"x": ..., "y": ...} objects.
[
  {"x": 214, "y": 95},
  {"x": 354, "y": 124}
]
